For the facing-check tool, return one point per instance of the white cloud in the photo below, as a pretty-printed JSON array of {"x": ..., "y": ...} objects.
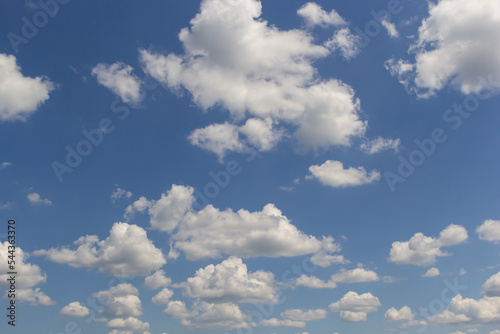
[
  {"x": 230, "y": 281},
  {"x": 20, "y": 96},
  {"x": 489, "y": 230},
  {"x": 346, "y": 42},
  {"x": 314, "y": 15},
  {"x": 332, "y": 173},
  {"x": 127, "y": 251},
  {"x": 462, "y": 272},
  {"x": 422, "y": 250},
  {"x": 354, "y": 307},
  {"x": 4, "y": 165},
  {"x": 355, "y": 276},
  {"x": 468, "y": 311},
  {"x": 324, "y": 256},
  {"x": 496, "y": 331},
  {"x": 163, "y": 297},
  {"x": 432, "y": 272},
  {"x": 273, "y": 322},
  {"x": 391, "y": 28},
  {"x": 28, "y": 275},
  {"x": 236, "y": 61},
  {"x": 177, "y": 309},
  {"x": 314, "y": 282},
  {"x": 119, "y": 79},
  {"x": 223, "y": 315},
  {"x": 157, "y": 280},
  {"x": 74, "y": 310},
  {"x": 34, "y": 297},
  {"x": 304, "y": 315},
  {"x": 120, "y": 193},
  {"x": 129, "y": 325},
  {"x": 218, "y": 138},
  {"x": 457, "y": 45},
  {"x": 403, "y": 314},
  {"x": 380, "y": 144},
  {"x": 491, "y": 287},
  {"x": 35, "y": 199},
  {"x": 121, "y": 301}
]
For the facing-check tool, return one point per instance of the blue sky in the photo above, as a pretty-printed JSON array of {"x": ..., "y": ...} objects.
[{"x": 236, "y": 166}]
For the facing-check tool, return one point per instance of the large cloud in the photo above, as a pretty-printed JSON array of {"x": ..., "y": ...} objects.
[
  {"x": 230, "y": 281},
  {"x": 20, "y": 96},
  {"x": 127, "y": 251},
  {"x": 212, "y": 233},
  {"x": 235, "y": 60},
  {"x": 422, "y": 250},
  {"x": 457, "y": 45}
]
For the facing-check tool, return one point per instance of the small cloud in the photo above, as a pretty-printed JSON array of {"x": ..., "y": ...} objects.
[
  {"x": 7, "y": 205},
  {"x": 391, "y": 28},
  {"x": 286, "y": 188},
  {"x": 120, "y": 193},
  {"x": 462, "y": 272},
  {"x": 35, "y": 199},
  {"x": 380, "y": 144},
  {"x": 433, "y": 272},
  {"x": 333, "y": 174},
  {"x": 4, "y": 165}
]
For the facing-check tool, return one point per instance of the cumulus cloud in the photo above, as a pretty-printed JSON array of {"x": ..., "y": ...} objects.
[
  {"x": 304, "y": 315},
  {"x": 157, "y": 280},
  {"x": 314, "y": 15},
  {"x": 333, "y": 174},
  {"x": 263, "y": 76},
  {"x": 489, "y": 230},
  {"x": 74, "y": 310},
  {"x": 344, "y": 41},
  {"x": 230, "y": 281},
  {"x": 468, "y": 311},
  {"x": 129, "y": 325},
  {"x": 205, "y": 315},
  {"x": 119, "y": 79},
  {"x": 491, "y": 287},
  {"x": 432, "y": 272},
  {"x": 34, "y": 297},
  {"x": 391, "y": 28},
  {"x": 120, "y": 193},
  {"x": 314, "y": 282},
  {"x": 403, "y": 314},
  {"x": 422, "y": 250},
  {"x": 457, "y": 45},
  {"x": 163, "y": 297},
  {"x": 380, "y": 144},
  {"x": 354, "y": 307},
  {"x": 20, "y": 96},
  {"x": 121, "y": 301},
  {"x": 274, "y": 322},
  {"x": 36, "y": 199},
  {"x": 28, "y": 275},
  {"x": 127, "y": 251},
  {"x": 355, "y": 276}
]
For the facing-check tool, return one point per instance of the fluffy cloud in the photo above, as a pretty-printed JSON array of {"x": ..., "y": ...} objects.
[
  {"x": 119, "y": 79},
  {"x": 237, "y": 61},
  {"x": 28, "y": 275},
  {"x": 34, "y": 297},
  {"x": 177, "y": 309},
  {"x": 74, "y": 310},
  {"x": 491, "y": 287},
  {"x": 20, "y": 96},
  {"x": 332, "y": 173},
  {"x": 230, "y": 281},
  {"x": 304, "y": 315},
  {"x": 380, "y": 144},
  {"x": 432, "y": 272},
  {"x": 391, "y": 28},
  {"x": 354, "y": 307},
  {"x": 314, "y": 15},
  {"x": 127, "y": 251},
  {"x": 403, "y": 314},
  {"x": 347, "y": 43},
  {"x": 162, "y": 297},
  {"x": 35, "y": 199},
  {"x": 314, "y": 282},
  {"x": 120, "y": 193},
  {"x": 121, "y": 301},
  {"x": 157, "y": 280},
  {"x": 205, "y": 315},
  {"x": 129, "y": 325},
  {"x": 489, "y": 230},
  {"x": 457, "y": 45},
  {"x": 273, "y": 322},
  {"x": 422, "y": 250},
  {"x": 355, "y": 276},
  {"x": 468, "y": 311}
]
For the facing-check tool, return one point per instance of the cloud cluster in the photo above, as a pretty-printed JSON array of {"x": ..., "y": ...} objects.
[
  {"x": 457, "y": 45},
  {"x": 20, "y": 96},
  {"x": 263, "y": 76},
  {"x": 422, "y": 250},
  {"x": 127, "y": 251}
]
